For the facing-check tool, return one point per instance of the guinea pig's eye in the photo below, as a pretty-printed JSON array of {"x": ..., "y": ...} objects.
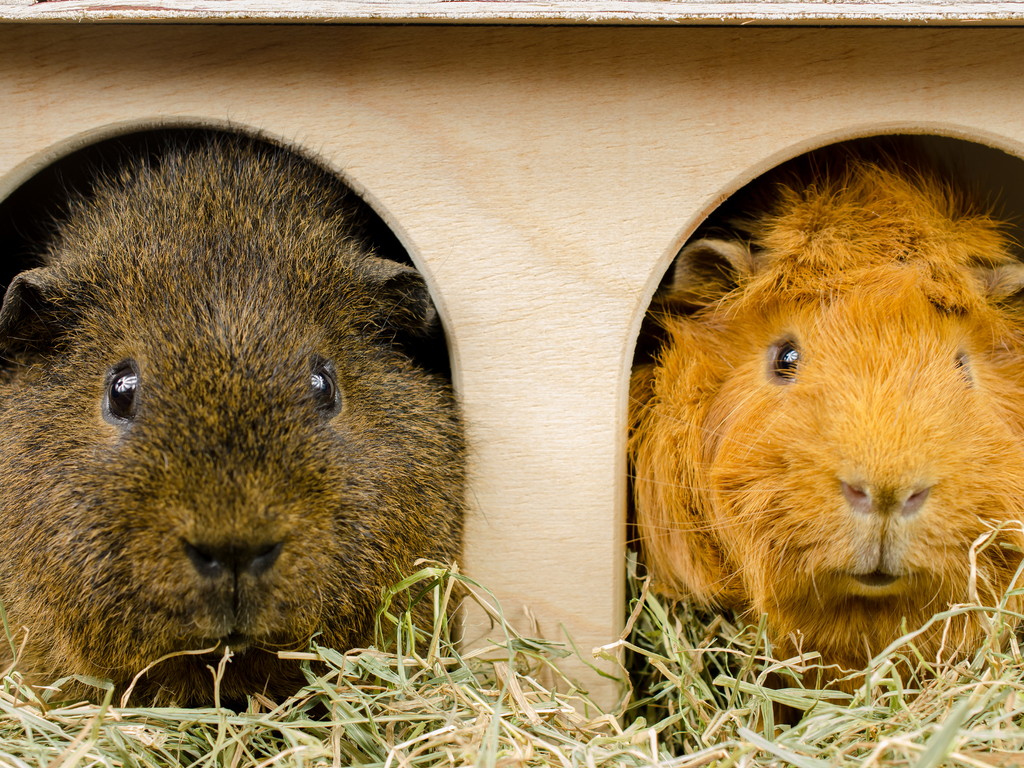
[
  {"x": 783, "y": 360},
  {"x": 963, "y": 365},
  {"x": 325, "y": 389},
  {"x": 122, "y": 387}
]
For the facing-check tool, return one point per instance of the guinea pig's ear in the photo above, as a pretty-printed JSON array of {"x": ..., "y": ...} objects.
[
  {"x": 29, "y": 318},
  {"x": 1004, "y": 282},
  {"x": 707, "y": 269},
  {"x": 402, "y": 297}
]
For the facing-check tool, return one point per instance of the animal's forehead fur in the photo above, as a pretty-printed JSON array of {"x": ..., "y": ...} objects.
[
  {"x": 223, "y": 220},
  {"x": 829, "y": 233}
]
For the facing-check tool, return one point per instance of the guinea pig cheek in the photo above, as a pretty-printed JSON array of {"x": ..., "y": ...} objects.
[
  {"x": 780, "y": 518},
  {"x": 748, "y": 430}
]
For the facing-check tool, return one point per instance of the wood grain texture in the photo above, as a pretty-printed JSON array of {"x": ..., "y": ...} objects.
[
  {"x": 542, "y": 178},
  {"x": 525, "y": 11}
]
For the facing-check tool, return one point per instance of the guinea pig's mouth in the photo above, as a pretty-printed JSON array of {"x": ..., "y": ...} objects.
[
  {"x": 876, "y": 579},
  {"x": 236, "y": 641}
]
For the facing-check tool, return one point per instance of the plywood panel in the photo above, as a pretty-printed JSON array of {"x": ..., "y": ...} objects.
[{"x": 542, "y": 178}]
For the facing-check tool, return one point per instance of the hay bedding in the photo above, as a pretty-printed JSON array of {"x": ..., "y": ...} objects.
[{"x": 695, "y": 697}]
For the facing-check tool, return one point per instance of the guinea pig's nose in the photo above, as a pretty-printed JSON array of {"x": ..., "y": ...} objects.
[
  {"x": 213, "y": 560},
  {"x": 881, "y": 500}
]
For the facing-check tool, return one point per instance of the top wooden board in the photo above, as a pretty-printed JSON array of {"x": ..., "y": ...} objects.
[{"x": 984, "y": 12}]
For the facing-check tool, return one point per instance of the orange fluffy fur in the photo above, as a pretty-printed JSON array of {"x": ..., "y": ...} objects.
[{"x": 899, "y": 293}]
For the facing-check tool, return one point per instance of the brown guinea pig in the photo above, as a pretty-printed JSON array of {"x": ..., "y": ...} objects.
[
  {"x": 208, "y": 434},
  {"x": 837, "y": 415}
]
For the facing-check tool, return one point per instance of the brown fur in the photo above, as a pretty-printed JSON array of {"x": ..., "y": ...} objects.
[
  {"x": 223, "y": 271},
  {"x": 881, "y": 275}
]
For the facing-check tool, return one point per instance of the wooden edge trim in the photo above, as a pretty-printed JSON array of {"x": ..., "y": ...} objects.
[{"x": 637, "y": 12}]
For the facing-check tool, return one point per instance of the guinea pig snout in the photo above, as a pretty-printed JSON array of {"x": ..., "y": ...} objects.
[
  {"x": 883, "y": 500},
  {"x": 213, "y": 561}
]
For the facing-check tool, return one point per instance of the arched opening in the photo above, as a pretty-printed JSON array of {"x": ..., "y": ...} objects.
[{"x": 985, "y": 173}]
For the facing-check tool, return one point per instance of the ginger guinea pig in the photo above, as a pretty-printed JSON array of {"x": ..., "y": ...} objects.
[
  {"x": 836, "y": 414},
  {"x": 208, "y": 434}
]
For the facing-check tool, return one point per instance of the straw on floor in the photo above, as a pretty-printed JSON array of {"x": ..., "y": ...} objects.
[{"x": 694, "y": 695}]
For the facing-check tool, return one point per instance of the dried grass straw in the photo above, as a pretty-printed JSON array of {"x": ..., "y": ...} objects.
[{"x": 695, "y": 696}]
